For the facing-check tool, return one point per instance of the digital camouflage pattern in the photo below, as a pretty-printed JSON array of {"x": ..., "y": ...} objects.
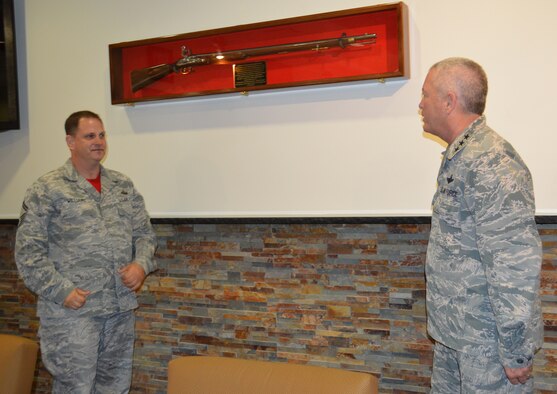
[
  {"x": 457, "y": 372},
  {"x": 484, "y": 253},
  {"x": 70, "y": 236},
  {"x": 70, "y": 352}
]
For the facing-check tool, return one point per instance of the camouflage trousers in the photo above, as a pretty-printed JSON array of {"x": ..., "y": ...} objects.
[
  {"x": 89, "y": 354},
  {"x": 456, "y": 372}
]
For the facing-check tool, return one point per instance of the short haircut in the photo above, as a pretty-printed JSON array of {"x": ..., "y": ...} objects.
[
  {"x": 466, "y": 78},
  {"x": 72, "y": 123}
]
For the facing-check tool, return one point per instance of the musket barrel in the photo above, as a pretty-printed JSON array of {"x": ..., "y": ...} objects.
[
  {"x": 241, "y": 54},
  {"x": 144, "y": 77}
]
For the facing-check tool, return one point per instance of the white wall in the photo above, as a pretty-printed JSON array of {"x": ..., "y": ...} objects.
[{"x": 354, "y": 149}]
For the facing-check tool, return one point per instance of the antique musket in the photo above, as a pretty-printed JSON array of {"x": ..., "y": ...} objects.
[{"x": 146, "y": 76}]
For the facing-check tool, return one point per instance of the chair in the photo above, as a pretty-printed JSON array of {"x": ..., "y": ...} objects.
[
  {"x": 18, "y": 357},
  {"x": 211, "y": 375}
]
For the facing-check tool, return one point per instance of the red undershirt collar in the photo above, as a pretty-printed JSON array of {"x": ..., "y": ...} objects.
[{"x": 96, "y": 182}]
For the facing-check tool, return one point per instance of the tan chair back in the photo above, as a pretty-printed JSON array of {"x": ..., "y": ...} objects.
[
  {"x": 18, "y": 357},
  {"x": 217, "y": 375}
]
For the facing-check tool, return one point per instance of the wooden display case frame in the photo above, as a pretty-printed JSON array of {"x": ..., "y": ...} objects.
[
  {"x": 9, "y": 93},
  {"x": 367, "y": 43}
]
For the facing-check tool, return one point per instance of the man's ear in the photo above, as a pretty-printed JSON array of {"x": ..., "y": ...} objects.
[
  {"x": 450, "y": 102},
  {"x": 70, "y": 141}
]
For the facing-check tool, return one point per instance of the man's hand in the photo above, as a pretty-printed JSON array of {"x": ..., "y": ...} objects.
[
  {"x": 76, "y": 299},
  {"x": 132, "y": 275},
  {"x": 518, "y": 375}
]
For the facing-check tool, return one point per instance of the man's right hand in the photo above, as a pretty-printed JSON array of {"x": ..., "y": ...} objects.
[
  {"x": 76, "y": 299},
  {"x": 518, "y": 375}
]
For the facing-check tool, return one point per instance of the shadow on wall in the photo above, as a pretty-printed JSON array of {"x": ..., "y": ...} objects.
[{"x": 295, "y": 105}]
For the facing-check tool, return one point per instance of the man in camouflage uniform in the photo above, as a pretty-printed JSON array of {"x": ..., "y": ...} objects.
[
  {"x": 484, "y": 253},
  {"x": 84, "y": 245}
]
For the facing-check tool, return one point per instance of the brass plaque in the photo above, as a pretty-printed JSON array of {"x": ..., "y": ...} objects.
[{"x": 250, "y": 74}]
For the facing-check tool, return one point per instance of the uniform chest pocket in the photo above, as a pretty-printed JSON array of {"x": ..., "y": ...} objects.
[
  {"x": 78, "y": 209},
  {"x": 447, "y": 212},
  {"x": 125, "y": 209},
  {"x": 447, "y": 206},
  {"x": 117, "y": 206},
  {"x": 118, "y": 214}
]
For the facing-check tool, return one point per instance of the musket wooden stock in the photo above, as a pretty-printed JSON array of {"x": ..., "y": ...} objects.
[{"x": 146, "y": 76}]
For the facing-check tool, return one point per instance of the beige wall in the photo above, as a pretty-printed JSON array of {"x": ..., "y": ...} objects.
[{"x": 333, "y": 150}]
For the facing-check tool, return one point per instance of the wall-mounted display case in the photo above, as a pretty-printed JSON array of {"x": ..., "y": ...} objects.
[{"x": 349, "y": 45}]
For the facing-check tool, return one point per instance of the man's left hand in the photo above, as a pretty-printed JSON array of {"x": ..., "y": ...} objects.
[
  {"x": 132, "y": 275},
  {"x": 518, "y": 375}
]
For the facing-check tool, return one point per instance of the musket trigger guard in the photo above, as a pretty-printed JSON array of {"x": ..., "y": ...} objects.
[{"x": 185, "y": 70}]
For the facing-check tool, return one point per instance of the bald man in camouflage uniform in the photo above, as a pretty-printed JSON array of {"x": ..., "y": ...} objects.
[
  {"x": 484, "y": 253},
  {"x": 84, "y": 245}
]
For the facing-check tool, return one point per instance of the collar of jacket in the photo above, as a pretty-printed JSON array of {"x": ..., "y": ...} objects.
[
  {"x": 71, "y": 174},
  {"x": 107, "y": 179},
  {"x": 464, "y": 138}
]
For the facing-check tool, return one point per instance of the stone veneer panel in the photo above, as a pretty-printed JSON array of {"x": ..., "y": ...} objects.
[{"x": 342, "y": 295}]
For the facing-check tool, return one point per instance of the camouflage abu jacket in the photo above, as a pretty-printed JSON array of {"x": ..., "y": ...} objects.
[
  {"x": 484, "y": 253},
  {"x": 69, "y": 235}
]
